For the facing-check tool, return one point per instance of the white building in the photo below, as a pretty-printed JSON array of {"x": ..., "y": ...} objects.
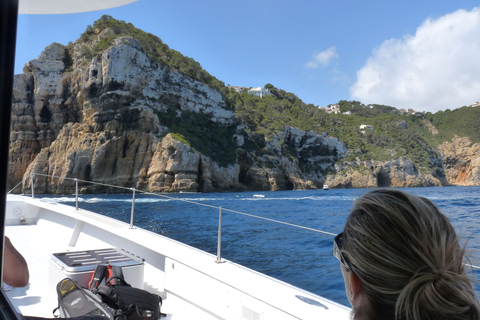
[
  {"x": 259, "y": 91},
  {"x": 412, "y": 112},
  {"x": 238, "y": 89},
  {"x": 364, "y": 127},
  {"x": 333, "y": 108}
]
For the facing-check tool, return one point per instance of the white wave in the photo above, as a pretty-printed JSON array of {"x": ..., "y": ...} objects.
[
  {"x": 153, "y": 200},
  {"x": 199, "y": 199},
  {"x": 94, "y": 200},
  {"x": 163, "y": 199},
  {"x": 58, "y": 200},
  {"x": 254, "y": 197},
  {"x": 80, "y": 199},
  {"x": 313, "y": 198}
]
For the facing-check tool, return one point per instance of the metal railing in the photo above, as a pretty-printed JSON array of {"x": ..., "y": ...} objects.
[
  {"x": 134, "y": 190},
  {"x": 132, "y": 214}
]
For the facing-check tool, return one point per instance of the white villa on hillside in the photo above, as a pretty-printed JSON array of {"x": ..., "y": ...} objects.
[
  {"x": 333, "y": 108},
  {"x": 238, "y": 89},
  {"x": 412, "y": 112},
  {"x": 259, "y": 91},
  {"x": 364, "y": 127}
]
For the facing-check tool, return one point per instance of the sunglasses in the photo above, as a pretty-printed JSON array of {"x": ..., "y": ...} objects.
[{"x": 337, "y": 251}]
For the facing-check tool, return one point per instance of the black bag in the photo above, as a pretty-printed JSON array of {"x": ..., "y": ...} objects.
[
  {"x": 124, "y": 301},
  {"x": 75, "y": 301},
  {"x": 112, "y": 298},
  {"x": 131, "y": 303}
]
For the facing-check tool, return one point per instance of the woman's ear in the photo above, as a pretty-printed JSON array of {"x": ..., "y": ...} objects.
[{"x": 355, "y": 287}]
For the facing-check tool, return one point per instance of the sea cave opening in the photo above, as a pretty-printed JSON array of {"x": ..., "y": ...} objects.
[
  {"x": 383, "y": 180},
  {"x": 288, "y": 185}
]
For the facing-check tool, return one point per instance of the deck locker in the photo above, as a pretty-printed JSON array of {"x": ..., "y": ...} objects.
[{"x": 80, "y": 265}]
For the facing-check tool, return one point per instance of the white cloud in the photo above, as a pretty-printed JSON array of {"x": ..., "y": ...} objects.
[
  {"x": 436, "y": 69},
  {"x": 323, "y": 58}
]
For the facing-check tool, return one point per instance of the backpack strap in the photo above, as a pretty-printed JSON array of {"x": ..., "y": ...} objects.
[
  {"x": 116, "y": 281},
  {"x": 106, "y": 274},
  {"x": 109, "y": 296},
  {"x": 116, "y": 278},
  {"x": 97, "y": 277},
  {"x": 117, "y": 271}
]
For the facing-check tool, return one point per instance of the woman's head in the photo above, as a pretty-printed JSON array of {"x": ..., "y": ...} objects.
[{"x": 406, "y": 259}]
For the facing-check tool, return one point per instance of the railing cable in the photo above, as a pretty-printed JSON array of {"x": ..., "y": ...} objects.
[
  {"x": 15, "y": 187},
  {"x": 238, "y": 212},
  {"x": 191, "y": 202}
]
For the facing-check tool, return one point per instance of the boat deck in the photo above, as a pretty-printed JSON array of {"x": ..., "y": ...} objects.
[
  {"x": 38, "y": 242},
  {"x": 39, "y": 298},
  {"x": 189, "y": 280}
]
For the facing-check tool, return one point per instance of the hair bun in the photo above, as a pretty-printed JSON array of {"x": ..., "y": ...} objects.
[{"x": 426, "y": 289}]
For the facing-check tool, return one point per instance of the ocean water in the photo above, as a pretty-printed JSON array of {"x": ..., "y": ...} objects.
[{"x": 295, "y": 255}]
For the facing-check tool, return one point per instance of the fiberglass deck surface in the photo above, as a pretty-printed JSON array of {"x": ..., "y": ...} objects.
[{"x": 37, "y": 243}]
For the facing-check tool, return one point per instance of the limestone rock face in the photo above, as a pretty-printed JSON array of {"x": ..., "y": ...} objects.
[
  {"x": 101, "y": 117},
  {"x": 175, "y": 166},
  {"x": 461, "y": 160},
  {"x": 55, "y": 51},
  {"x": 39, "y": 109},
  {"x": 91, "y": 156},
  {"x": 297, "y": 160},
  {"x": 99, "y": 122},
  {"x": 400, "y": 173}
]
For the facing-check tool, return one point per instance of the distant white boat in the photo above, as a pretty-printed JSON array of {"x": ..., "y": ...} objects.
[
  {"x": 325, "y": 187},
  {"x": 258, "y": 196}
]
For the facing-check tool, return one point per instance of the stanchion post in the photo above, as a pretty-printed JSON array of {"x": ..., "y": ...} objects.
[
  {"x": 219, "y": 245},
  {"x": 76, "y": 194},
  {"x": 31, "y": 185},
  {"x": 133, "y": 208}
]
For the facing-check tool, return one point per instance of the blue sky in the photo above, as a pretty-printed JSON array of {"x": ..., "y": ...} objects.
[{"x": 423, "y": 55}]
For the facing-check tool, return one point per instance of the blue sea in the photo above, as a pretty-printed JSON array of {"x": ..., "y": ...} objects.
[{"x": 298, "y": 256}]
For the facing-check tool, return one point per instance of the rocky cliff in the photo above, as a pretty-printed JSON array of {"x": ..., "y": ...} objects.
[
  {"x": 111, "y": 118},
  {"x": 400, "y": 173},
  {"x": 100, "y": 122},
  {"x": 461, "y": 162}
]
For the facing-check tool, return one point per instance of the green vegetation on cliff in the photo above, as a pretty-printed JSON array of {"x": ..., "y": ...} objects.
[
  {"x": 271, "y": 113},
  {"x": 153, "y": 47},
  {"x": 463, "y": 122},
  {"x": 198, "y": 131},
  {"x": 394, "y": 134}
]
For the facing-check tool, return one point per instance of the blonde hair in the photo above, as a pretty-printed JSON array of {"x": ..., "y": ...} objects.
[{"x": 408, "y": 259}]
